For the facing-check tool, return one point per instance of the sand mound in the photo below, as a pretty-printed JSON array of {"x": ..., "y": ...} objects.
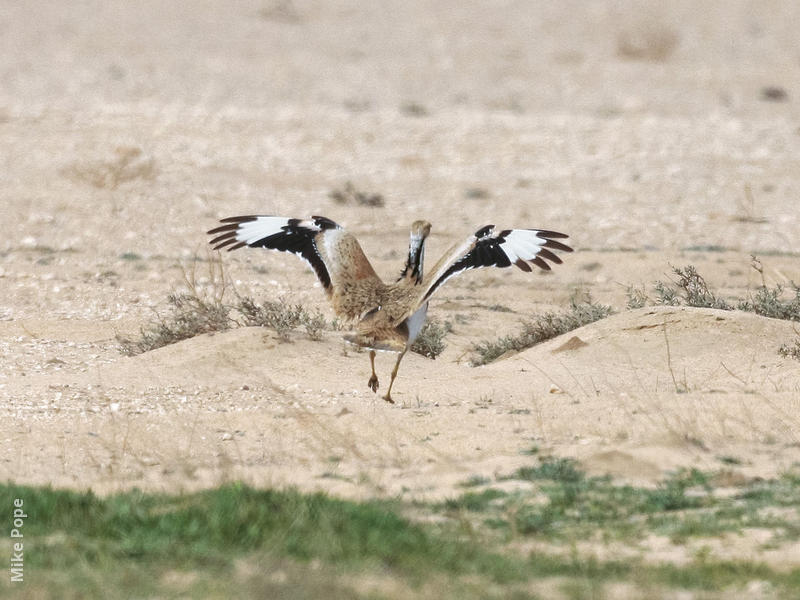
[
  {"x": 665, "y": 349},
  {"x": 634, "y": 395}
]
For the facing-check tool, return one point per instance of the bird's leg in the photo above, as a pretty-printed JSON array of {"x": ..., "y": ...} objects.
[
  {"x": 373, "y": 381},
  {"x": 388, "y": 396}
]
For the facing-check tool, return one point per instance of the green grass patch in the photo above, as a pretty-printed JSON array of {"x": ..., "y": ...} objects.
[
  {"x": 236, "y": 541},
  {"x": 565, "y": 506}
]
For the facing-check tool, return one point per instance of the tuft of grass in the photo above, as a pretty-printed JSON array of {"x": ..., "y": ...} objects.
[
  {"x": 350, "y": 195},
  {"x": 430, "y": 341},
  {"x": 555, "y": 469},
  {"x": 474, "y": 501},
  {"x": 541, "y": 328},
  {"x": 499, "y": 308},
  {"x": 475, "y": 481}
]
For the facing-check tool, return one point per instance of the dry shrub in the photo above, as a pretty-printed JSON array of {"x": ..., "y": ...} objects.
[
  {"x": 654, "y": 43},
  {"x": 350, "y": 195},
  {"x": 430, "y": 341},
  {"x": 202, "y": 308},
  {"x": 129, "y": 164},
  {"x": 540, "y": 328},
  {"x": 690, "y": 289},
  {"x": 792, "y": 351},
  {"x": 281, "y": 317},
  {"x": 188, "y": 316}
]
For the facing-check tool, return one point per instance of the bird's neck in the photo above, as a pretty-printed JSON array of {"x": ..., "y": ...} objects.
[{"x": 412, "y": 272}]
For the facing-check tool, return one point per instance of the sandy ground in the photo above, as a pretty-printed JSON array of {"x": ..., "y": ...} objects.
[{"x": 668, "y": 135}]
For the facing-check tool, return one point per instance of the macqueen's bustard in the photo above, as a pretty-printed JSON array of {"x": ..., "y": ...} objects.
[{"x": 387, "y": 316}]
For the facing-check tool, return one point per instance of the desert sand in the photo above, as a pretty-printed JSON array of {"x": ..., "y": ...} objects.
[{"x": 654, "y": 136}]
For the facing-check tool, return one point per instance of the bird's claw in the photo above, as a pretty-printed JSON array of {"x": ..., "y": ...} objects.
[{"x": 373, "y": 383}]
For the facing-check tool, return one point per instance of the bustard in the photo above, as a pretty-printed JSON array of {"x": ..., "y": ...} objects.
[{"x": 389, "y": 316}]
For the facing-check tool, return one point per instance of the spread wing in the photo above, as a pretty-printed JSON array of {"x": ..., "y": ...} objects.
[
  {"x": 489, "y": 248},
  {"x": 334, "y": 254}
]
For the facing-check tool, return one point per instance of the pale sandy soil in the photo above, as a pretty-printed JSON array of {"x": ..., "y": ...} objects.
[{"x": 128, "y": 129}]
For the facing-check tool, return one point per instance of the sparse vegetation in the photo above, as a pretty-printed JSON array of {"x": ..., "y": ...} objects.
[
  {"x": 540, "y": 328},
  {"x": 238, "y": 541},
  {"x": 281, "y": 317},
  {"x": 430, "y": 341},
  {"x": 476, "y": 193},
  {"x": 129, "y": 164},
  {"x": 188, "y": 315},
  {"x": 647, "y": 42},
  {"x": 790, "y": 350},
  {"x": 637, "y": 297},
  {"x": 203, "y": 308},
  {"x": 746, "y": 208},
  {"x": 351, "y": 195},
  {"x": 566, "y": 505},
  {"x": 690, "y": 289},
  {"x": 414, "y": 109},
  {"x": 768, "y": 302},
  {"x": 499, "y": 308}
]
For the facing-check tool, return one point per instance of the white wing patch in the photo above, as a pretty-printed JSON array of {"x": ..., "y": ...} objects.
[
  {"x": 296, "y": 236},
  {"x": 522, "y": 244},
  {"x": 250, "y": 232},
  {"x": 489, "y": 248}
]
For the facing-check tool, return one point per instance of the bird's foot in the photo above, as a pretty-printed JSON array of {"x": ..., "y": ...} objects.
[
  {"x": 388, "y": 398},
  {"x": 373, "y": 383}
]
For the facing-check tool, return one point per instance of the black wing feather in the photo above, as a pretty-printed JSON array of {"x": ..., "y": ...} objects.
[{"x": 295, "y": 237}]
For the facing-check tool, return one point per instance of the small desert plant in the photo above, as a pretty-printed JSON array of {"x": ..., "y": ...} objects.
[
  {"x": 541, "y": 328},
  {"x": 202, "y": 309},
  {"x": 430, "y": 341},
  {"x": 690, "y": 289},
  {"x": 746, "y": 212},
  {"x": 792, "y": 351},
  {"x": 129, "y": 164},
  {"x": 767, "y": 302},
  {"x": 188, "y": 316},
  {"x": 499, "y": 308},
  {"x": 281, "y": 317},
  {"x": 637, "y": 297},
  {"x": 645, "y": 42},
  {"x": 350, "y": 195}
]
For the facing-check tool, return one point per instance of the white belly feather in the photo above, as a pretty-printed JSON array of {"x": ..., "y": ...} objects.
[{"x": 415, "y": 323}]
